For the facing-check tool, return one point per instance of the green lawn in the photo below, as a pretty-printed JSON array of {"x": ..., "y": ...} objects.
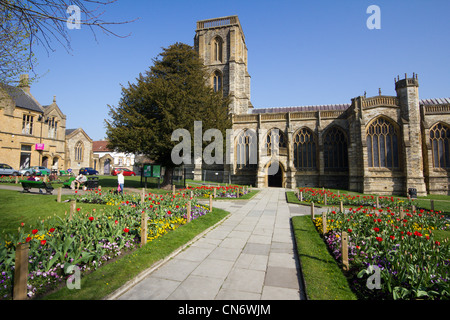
[
  {"x": 323, "y": 277},
  {"x": 17, "y": 207},
  {"x": 112, "y": 276}
]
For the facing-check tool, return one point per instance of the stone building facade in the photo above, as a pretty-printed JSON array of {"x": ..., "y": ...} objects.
[
  {"x": 381, "y": 144},
  {"x": 79, "y": 151},
  {"x": 30, "y": 134}
]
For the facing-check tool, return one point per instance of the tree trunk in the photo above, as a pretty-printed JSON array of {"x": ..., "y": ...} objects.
[{"x": 167, "y": 180}]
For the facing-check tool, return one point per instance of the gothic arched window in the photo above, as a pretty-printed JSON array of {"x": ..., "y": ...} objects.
[
  {"x": 276, "y": 137},
  {"x": 217, "y": 47},
  {"x": 305, "y": 149},
  {"x": 335, "y": 152},
  {"x": 439, "y": 140},
  {"x": 382, "y": 144},
  {"x": 217, "y": 81},
  {"x": 246, "y": 149},
  {"x": 79, "y": 151}
]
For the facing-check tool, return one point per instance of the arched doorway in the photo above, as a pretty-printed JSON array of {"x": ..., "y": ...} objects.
[
  {"x": 275, "y": 179},
  {"x": 107, "y": 167}
]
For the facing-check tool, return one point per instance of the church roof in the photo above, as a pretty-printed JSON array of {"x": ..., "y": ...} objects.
[
  {"x": 304, "y": 108},
  {"x": 328, "y": 107},
  {"x": 435, "y": 101}
]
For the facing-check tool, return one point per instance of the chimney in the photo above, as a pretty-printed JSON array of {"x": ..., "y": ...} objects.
[{"x": 24, "y": 83}]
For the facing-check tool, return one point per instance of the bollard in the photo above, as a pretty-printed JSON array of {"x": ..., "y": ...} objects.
[
  {"x": 341, "y": 206},
  {"x": 143, "y": 195},
  {"x": 378, "y": 203},
  {"x": 301, "y": 195},
  {"x": 21, "y": 272},
  {"x": 344, "y": 250},
  {"x": 432, "y": 204},
  {"x": 402, "y": 214},
  {"x": 325, "y": 199},
  {"x": 312, "y": 211},
  {"x": 59, "y": 194},
  {"x": 324, "y": 223},
  {"x": 214, "y": 192},
  {"x": 173, "y": 189}
]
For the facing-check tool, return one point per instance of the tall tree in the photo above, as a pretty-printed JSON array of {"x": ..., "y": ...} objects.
[
  {"x": 27, "y": 23},
  {"x": 171, "y": 95}
]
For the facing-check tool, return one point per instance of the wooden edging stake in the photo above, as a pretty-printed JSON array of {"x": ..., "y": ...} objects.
[
  {"x": 143, "y": 229},
  {"x": 188, "y": 212},
  {"x": 21, "y": 272},
  {"x": 143, "y": 195},
  {"x": 344, "y": 250},
  {"x": 59, "y": 194},
  {"x": 312, "y": 211},
  {"x": 73, "y": 207},
  {"x": 210, "y": 203},
  {"x": 341, "y": 206},
  {"x": 324, "y": 223}
]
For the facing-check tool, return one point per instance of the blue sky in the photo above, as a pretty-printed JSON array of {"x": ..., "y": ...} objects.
[{"x": 299, "y": 52}]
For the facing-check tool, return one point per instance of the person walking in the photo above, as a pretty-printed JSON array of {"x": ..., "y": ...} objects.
[{"x": 121, "y": 181}]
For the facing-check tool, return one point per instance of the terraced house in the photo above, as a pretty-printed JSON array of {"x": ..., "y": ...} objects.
[{"x": 381, "y": 144}]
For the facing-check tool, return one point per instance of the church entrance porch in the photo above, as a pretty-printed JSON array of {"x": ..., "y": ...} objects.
[{"x": 275, "y": 175}]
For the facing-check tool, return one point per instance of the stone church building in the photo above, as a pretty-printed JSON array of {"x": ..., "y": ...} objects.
[{"x": 381, "y": 144}]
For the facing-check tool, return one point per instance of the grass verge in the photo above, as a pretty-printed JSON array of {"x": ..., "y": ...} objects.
[
  {"x": 322, "y": 275},
  {"x": 110, "y": 277}
]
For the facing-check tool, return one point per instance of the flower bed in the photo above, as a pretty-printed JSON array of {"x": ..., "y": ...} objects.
[
  {"x": 412, "y": 263},
  {"x": 89, "y": 239},
  {"x": 221, "y": 191},
  {"x": 318, "y": 197}
]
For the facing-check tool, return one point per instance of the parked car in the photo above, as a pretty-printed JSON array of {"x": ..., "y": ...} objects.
[
  {"x": 126, "y": 172},
  {"x": 37, "y": 170},
  {"x": 7, "y": 170},
  {"x": 88, "y": 171}
]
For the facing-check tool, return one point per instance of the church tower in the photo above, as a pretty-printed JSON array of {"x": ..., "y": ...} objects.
[{"x": 221, "y": 45}]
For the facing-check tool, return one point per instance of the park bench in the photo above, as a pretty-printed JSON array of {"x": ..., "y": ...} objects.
[
  {"x": 68, "y": 183},
  {"x": 27, "y": 185},
  {"x": 64, "y": 173}
]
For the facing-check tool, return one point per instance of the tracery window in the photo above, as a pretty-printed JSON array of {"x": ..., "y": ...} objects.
[
  {"x": 246, "y": 149},
  {"x": 439, "y": 140},
  {"x": 382, "y": 144},
  {"x": 335, "y": 152},
  {"x": 276, "y": 137},
  {"x": 305, "y": 149},
  {"x": 79, "y": 151},
  {"x": 52, "y": 128}
]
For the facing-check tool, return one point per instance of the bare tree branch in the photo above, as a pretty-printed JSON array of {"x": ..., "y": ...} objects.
[{"x": 25, "y": 24}]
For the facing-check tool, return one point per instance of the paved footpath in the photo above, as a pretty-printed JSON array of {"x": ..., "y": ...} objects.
[{"x": 249, "y": 256}]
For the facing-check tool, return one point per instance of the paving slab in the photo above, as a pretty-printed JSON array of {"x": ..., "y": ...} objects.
[{"x": 249, "y": 256}]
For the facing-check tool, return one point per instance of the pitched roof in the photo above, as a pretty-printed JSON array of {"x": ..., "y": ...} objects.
[
  {"x": 22, "y": 99},
  {"x": 100, "y": 146},
  {"x": 336, "y": 106},
  {"x": 434, "y": 101},
  {"x": 304, "y": 108}
]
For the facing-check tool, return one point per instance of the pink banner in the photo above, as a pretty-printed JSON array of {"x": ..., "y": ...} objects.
[{"x": 39, "y": 146}]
